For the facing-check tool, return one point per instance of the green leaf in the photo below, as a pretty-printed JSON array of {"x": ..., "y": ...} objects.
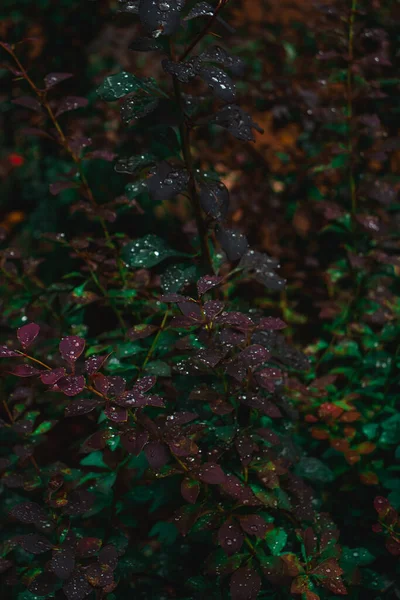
[
  {"x": 353, "y": 557},
  {"x": 314, "y": 469},
  {"x": 176, "y": 276},
  {"x": 159, "y": 368},
  {"x": 44, "y": 427},
  {"x": 167, "y": 532},
  {"x": 276, "y": 540},
  {"x": 128, "y": 349},
  {"x": 147, "y": 252},
  {"x": 94, "y": 459},
  {"x": 120, "y": 84},
  {"x": 391, "y": 430}
]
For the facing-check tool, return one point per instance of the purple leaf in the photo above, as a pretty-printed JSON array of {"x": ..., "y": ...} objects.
[
  {"x": 36, "y": 131},
  {"x": 71, "y": 385},
  {"x": 51, "y": 377},
  {"x": 28, "y": 102},
  {"x": 94, "y": 364},
  {"x": 144, "y": 384},
  {"x": 214, "y": 200},
  {"x": 71, "y": 103},
  {"x": 245, "y": 584},
  {"x": 271, "y": 324},
  {"x": 253, "y": 355},
  {"x": 77, "y": 587},
  {"x": 254, "y": 525},
  {"x": 54, "y": 78},
  {"x": 134, "y": 440},
  {"x": 233, "y": 243},
  {"x": 28, "y": 512},
  {"x": 99, "y": 576},
  {"x": 212, "y": 308},
  {"x": 108, "y": 555},
  {"x": 157, "y": 454},
  {"x": 238, "y": 122},
  {"x": 219, "y": 82},
  {"x": 25, "y": 371},
  {"x": 7, "y": 353},
  {"x": 237, "y": 490},
  {"x": 230, "y": 537},
  {"x": 158, "y": 18},
  {"x": 102, "y": 154},
  {"x": 268, "y": 377},
  {"x": 237, "y": 320},
  {"x": 81, "y": 407},
  {"x": 190, "y": 490},
  {"x": 79, "y": 502},
  {"x": 101, "y": 383},
  {"x": 116, "y": 414},
  {"x": 88, "y": 546},
  {"x": 71, "y": 348},
  {"x": 172, "y": 298},
  {"x": 59, "y": 186},
  {"x": 27, "y": 334},
  {"x": 116, "y": 386},
  {"x": 139, "y": 332},
  {"x": 208, "y": 282},
  {"x": 43, "y": 584},
  {"x": 63, "y": 562},
  {"x": 35, "y": 543},
  {"x": 211, "y": 473}
]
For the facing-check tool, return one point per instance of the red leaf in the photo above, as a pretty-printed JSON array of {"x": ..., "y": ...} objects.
[
  {"x": 335, "y": 585},
  {"x": 94, "y": 364},
  {"x": 157, "y": 454},
  {"x": 190, "y": 490},
  {"x": 71, "y": 348},
  {"x": 54, "y": 78},
  {"x": 25, "y": 371},
  {"x": 230, "y": 537},
  {"x": 381, "y": 505},
  {"x": 271, "y": 324},
  {"x": 51, "y": 377},
  {"x": 7, "y": 353},
  {"x": 71, "y": 103},
  {"x": 117, "y": 414},
  {"x": 207, "y": 282},
  {"x": 329, "y": 568},
  {"x": 245, "y": 584},
  {"x": 254, "y": 525},
  {"x": 88, "y": 546},
  {"x": 27, "y": 334},
  {"x": 71, "y": 385},
  {"x": 28, "y": 102},
  {"x": 134, "y": 440},
  {"x": 211, "y": 473},
  {"x": 63, "y": 562},
  {"x": 81, "y": 407},
  {"x": 60, "y": 186}
]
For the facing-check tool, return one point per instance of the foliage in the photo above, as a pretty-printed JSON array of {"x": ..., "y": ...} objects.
[{"x": 180, "y": 418}]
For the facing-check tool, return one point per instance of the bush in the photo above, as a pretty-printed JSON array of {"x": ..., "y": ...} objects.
[{"x": 177, "y": 422}]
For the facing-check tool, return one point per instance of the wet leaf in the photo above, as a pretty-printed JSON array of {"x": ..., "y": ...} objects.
[
  {"x": 136, "y": 107},
  {"x": 233, "y": 243},
  {"x": 245, "y": 584},
  {"x": 35, "y": 543},
  {"x": 211, "y": 473},
  {"x": 219, "y": 82},
  {"x": 81, "y": 407},
  {"x": 27, "y": 334},
  {"x": 53, "y": 79},
  {"x": 71, "y": 385},
  {"x": 71, "y": 347},
  {"x": 190, "y": 490},
  {"x": 237, "y": 122},
  {"x": 167, "y": 182},
  {"x": 71, "y": 103},
  {"x": 146, "y": 252},
  {"x": 230, "y": 537},
  {"x": 160, "y": 17},
  {"x": 157, "y": 454},
  {"x": 28, "y": 512},
  {"x": 254, "y": 525},
  {"x": 121, "y": 84},
  {"x": 214, "y": 199}
]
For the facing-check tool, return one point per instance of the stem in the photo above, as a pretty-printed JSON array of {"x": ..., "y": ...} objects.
[
  {"x": 187, "y": 156},
  {"x": 155, "y": 341},
  {"x": 41, "y": 94},
  {"x": 209, "y": 24},
  {"x": 353, "y": 193}
]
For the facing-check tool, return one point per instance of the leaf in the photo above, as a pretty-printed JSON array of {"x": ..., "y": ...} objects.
[
  {"x": 159, "y": 368},
  {"x": 59, "y": 186},
  {"x": 211, "y": 473},
  {"x": 314, "y": 469},
  {"x": 71, "y": 103},
  {"x": 221, "y": 56},
  {"x": 52, "y": 79},
  {"x": 28, "y": 102},
  {"x": 167, "y": 182},
  {"x": 207, "y": 283},
  {"x": 27, "y": 334},
  {"x": 71, "y": 347},
  {"x": 230, "y": 537},
  {"x": 201, "y": 9},
  {"x": 183, "y": 71},
  {"x": 79, "y": 502},
  {"x": 94, "y": 364},
  {"x": 35, "y": 543},
  {"x": 219, "y": 82},
  {"x": 276, "y": 540},
  {"x": 134, "y": 440},
  {"x": 157, "y": 454},
  {"x": 123, "y": 83},
  {"x": 77, "y": 587},
  {"x": 146, "y": 44},
  {"x": 238, "y": 122},
  {"x": 146, "y": 252},
  {"x": 233, "y": 243},
  {"x": 177, "y": 276},
  {"x": 167, "y": 532},
  {"x": 214, "y": 200},
  {"x": 51, "y": 377},
  {"x": 7, "y": 353},
  {"x": 71, "y": 385},
  {"x": 245, "y": 584},
  {"x": 160, "y": 17},
  {"x": 63, "y": 562},
  {"x": 137, "y": 106},
  {"x": 88, "y": 546},
  {"x": 28, "y": 512},
  {"x": 25, "y": 371},
  {"x": 190, "y": 490},
  {"x": 254, "y": 525},
  {"x": 81, "y": 407},
  {"x": 356, "y": 557}
]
